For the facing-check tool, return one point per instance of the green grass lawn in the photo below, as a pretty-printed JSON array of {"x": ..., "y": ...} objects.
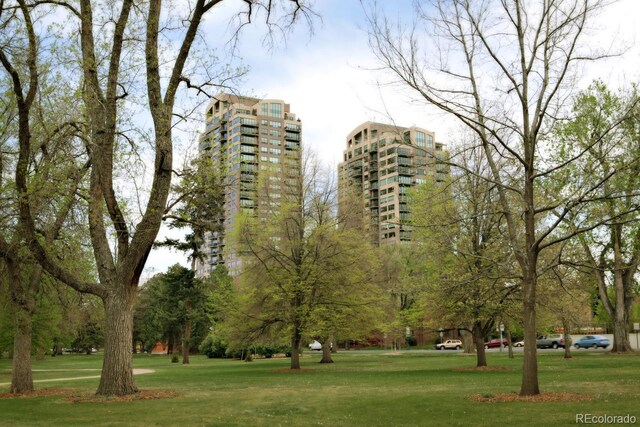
[{"x": 360, "y": 389}]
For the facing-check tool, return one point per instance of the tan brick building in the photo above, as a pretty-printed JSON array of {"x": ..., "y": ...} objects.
[
  {"x": 381, "y": 162},
  {"x": 258, "y": 143}
]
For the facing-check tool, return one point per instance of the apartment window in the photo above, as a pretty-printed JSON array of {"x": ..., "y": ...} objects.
[
  {"x": 420, "y": 139},
  {"x": 275, "y": 124},
  {"x": 265, "y": 109},
  {"x": 275, "y": 110},
  {"x": 429, "y": 141}
]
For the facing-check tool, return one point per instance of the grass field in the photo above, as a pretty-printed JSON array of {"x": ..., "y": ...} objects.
[{"x": 360, "y": 389}]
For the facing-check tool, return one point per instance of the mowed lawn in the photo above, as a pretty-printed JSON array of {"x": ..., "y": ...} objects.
[{"x": 360, "y": 389}]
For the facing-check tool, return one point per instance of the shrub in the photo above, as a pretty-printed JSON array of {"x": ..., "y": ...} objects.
[
  {"x": 268, "y": 350},
  {"x": 214, "y": 346}
]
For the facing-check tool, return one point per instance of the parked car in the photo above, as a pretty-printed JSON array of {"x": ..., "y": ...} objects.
[
  {"x": 550, "y": 341},
  {"x": 449, "y": 345},
  {"x": 593, "y": 341},
  {"x": 496, "y": 343},
  {"x": 315, "y": 345},
  {"x": 519, "y": 344}
]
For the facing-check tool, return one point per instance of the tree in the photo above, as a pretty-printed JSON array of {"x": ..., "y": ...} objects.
[
  {"x": 302, "y": 263},
  {"x": 58, "y": 171},
  {"x": 402, "y": 276},
  {"x": 199, "y": 206},
  {"x": 504, "y": 70},
  {"x": 460, "y": 231},
  {"x": 606, "y": 128},
  {"x": 177, "y": 309},
  {"x": 111, "y": 61}
]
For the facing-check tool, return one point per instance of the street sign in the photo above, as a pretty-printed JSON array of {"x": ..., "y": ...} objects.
[{"x": 636, "y": 326}]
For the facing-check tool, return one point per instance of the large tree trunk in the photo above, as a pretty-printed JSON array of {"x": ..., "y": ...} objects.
[
  {"x": 467, "y": 341},
  {"x": 567, "y": 339},
  {"x": 326, "y": 351},
  {"x": 21, "y": 377},
  {"x": 621, "y": 343},
  {"x": 117, "y": 370},
  {"x": 186, "y": 339},
  {"x": 296, "y": 339},
  {"x": 510, "y": 343},
  {"x": 529, "y": 385},
  {"x": 23, "y": 304},
  {"x": 478, "y": 338}
]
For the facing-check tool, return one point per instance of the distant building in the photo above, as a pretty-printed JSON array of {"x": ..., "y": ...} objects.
[
  {"x": 249, "y": 138},
  {"x": 381, "y": 162}
]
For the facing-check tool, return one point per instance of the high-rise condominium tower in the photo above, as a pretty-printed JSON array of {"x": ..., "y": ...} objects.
[
  {"x": 381, "y": 162},
  {"x": 257, "y": 143}
]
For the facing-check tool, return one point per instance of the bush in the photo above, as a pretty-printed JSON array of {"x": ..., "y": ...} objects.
[
  {"x": 268, "y": 350},
  {"x": 214, "y": 346},
  {"x": 174, "y": 358}
]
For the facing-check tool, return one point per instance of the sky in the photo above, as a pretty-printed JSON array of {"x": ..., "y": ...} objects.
[{"x": 330, "y": 78}]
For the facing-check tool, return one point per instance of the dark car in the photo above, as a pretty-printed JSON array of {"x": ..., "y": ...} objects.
[
  {"x": 593, "y": 341},
  {"x": 550, "y": 341},
  {"x": 496, "y": 343}
]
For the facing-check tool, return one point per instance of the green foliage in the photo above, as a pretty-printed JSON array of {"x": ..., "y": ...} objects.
[
  {"x": 167, "y": 301},
  {"x": 305, "y": 273},
  {"x": 214, "y": 346}
]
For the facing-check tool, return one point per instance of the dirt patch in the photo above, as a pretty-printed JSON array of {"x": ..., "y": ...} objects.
[
  {"x": 542, "y": 397},
  {"x": 483, "y": 369},
  {"x": 292, "y": 371},
  {"x": 141, "y": 395},
  {"x": 36, "y": 393}
]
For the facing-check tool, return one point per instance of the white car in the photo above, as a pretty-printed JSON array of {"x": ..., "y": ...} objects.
[
  {"x": 519, "y": 344},
  {"x": 449, "y": 344},
  {"x": 315, "y": 345}
]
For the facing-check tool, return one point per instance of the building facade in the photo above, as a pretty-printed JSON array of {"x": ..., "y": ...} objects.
[
  {"x": 257, "y": 145},
  {"x": 380, "y": 163}
]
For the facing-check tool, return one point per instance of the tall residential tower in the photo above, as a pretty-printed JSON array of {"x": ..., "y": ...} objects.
[
  {"x": 248, "y": 138},
  {"x": 381, "y": 162}
]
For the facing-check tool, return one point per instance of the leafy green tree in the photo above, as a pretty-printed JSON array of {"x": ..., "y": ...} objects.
[
  {"x": 458, "y": 227},
  {"x": 135, "y": 63},
  {"x": 605, "y": 128},
  {"x": 177, "y": 307},
  {"x": 301, "y": 264},
  {"x": 511, "y": 99}
]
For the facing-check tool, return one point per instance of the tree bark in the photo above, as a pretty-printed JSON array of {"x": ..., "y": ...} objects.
[
  {"x": 529, "y": 385},
  {"x": 478, "y": 338},
  {"x": 296, "y": 340},
  {"x": 567, "y": 340},
  {"x": 326, "y": 351},
  {"x": 117, "y": 371},
  {"x": 467, "y": 341},
  {"x": 21, "y": 377},
  {"x": 22, "y": 301},
  {"x": 186, "y": 340},
  {"x": 510, "y": 343}
]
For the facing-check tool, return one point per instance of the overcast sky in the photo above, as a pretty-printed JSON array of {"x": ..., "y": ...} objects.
[{"x": 329, "y": 78}]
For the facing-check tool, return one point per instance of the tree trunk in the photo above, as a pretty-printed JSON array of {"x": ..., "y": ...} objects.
[
  {"x": 326, "y": 351},
  {"x": 567, "y": 339},
  {"x": 621, "y": 343},
  {"x": 21, "y": 377},
  {"x": 529, "y": 385},
  {"x": 510, "y": 344},
  {"x": 117, "y": 372},
  {"x": 186, "y": 339},
  {"x": 467, "y": 341},
  {"x": 478, "y": 338},
  {"x": 296, "y": 339}
]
